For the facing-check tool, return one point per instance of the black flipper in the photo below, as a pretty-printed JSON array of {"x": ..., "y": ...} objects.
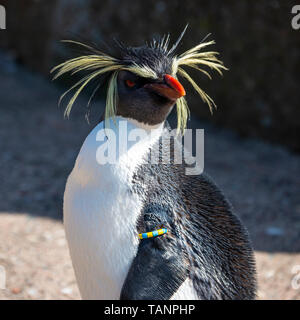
[{"x": 159, "y": 267}]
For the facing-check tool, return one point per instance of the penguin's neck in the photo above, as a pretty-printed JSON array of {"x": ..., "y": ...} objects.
[
  {"x": 115, "y": 146},
  {"x": 145, "y": 126},
  {"x": 129, "y": 139}
]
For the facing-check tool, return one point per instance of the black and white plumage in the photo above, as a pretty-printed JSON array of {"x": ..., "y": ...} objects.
[
  {"x": 207, "y": 243},
  {"x": 206, "y": 254}
]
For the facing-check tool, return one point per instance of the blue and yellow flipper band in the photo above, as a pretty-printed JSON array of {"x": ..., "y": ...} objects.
[{"x": 152, "y": 234}]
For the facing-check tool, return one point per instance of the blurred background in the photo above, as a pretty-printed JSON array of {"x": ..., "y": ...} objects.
[{"x": 252, "y": 141}]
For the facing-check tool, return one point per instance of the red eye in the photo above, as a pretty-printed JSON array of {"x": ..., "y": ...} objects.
[{"x": 130, "y": 83}]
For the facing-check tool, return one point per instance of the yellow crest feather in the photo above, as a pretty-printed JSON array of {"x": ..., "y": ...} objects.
[
  {"x": 100, "y": 63},
  {"x": 111, "y": 98},
  {"x": 193, "y": 58}
]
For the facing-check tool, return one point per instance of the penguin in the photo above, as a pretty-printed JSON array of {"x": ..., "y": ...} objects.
[{"x": 139, "y": 230}]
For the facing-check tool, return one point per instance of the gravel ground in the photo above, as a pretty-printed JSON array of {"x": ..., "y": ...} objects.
[{"x": 38, "y": 151}]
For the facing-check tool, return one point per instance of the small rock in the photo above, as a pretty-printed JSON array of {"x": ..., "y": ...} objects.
[
  {"x": 32, "y": 292},
  {"x": 269, "y": 274},
  {"x": 66, "y": 291},
  {"x": 16, "y": 290},
  {"x": 47, "y": 236}
]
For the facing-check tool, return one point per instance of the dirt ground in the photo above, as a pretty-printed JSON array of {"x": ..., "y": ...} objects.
[{"x": 38, "y": 149}]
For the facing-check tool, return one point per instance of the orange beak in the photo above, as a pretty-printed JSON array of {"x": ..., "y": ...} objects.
[{"x": 171, "y": 89}]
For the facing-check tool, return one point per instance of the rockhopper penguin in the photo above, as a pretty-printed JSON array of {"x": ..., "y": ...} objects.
[{"x": 203, "y": 251}]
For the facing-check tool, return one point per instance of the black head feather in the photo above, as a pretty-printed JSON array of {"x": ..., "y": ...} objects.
[{"x": 154, "y": 58}]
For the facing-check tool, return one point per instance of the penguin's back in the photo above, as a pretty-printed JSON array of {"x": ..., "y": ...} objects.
[{"x": 214, "y": 244}]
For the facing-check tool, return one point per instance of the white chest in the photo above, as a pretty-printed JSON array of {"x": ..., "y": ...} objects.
[{"x": 100, "y": 215}]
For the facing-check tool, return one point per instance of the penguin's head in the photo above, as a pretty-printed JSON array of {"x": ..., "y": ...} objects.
[
  {"x": 143, "y": 81},
  {"x": 148, "y": 98}
]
